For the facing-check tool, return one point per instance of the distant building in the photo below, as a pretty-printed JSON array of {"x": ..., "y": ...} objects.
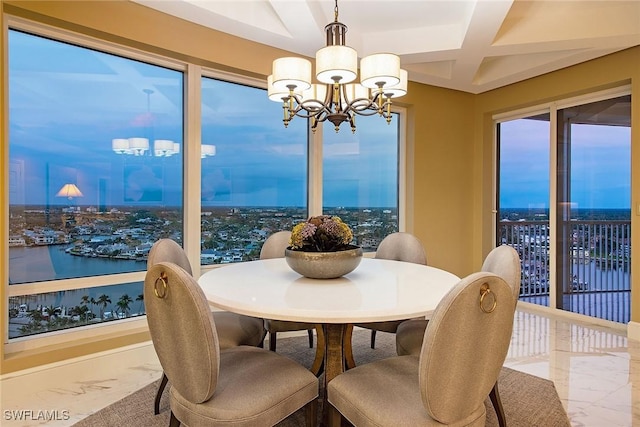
[{"x": 17, "y": 241}]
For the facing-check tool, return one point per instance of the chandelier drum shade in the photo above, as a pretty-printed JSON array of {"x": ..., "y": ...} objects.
[{"x": 335, "y": 98}]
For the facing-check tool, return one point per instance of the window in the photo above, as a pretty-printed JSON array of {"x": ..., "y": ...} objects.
[
  {"x": 361, "y": 178},
  {"x": 96, "y": 166},
  {"x": 254, "y": 171},
  {"x": 93, "y": 181}
]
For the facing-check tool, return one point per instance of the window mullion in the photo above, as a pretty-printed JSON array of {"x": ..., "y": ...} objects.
[
  {"x": 315, "y": 171},
  {"x": 192, "y": 165}
]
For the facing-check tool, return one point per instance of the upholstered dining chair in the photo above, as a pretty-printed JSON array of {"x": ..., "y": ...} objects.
[
  {"x": 233, "y": 329},
  {"x": 400, "y": 246},
  {"x": 466, "y": 342},
  {"x": 274, "y": 247},
  {"x": 240, "y": 386},
  {"x": 503, "y": 261}
]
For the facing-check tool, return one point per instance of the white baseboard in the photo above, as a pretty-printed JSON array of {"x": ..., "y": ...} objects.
[
  {"x": 573, "y": 317},
  {"x": 633, "y": 331},
  {"x": 142, "y": 350}
]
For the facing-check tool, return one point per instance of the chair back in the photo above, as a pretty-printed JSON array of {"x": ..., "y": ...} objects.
[
  {"x": 402, "y": 246},
  {"x": 167, "y": 250},
  {"x": 505, "y": 262},
  {"x": 464, "y": 347},
  {"x": 275, "y": 245},
  {"x": 182, "y": 330}
]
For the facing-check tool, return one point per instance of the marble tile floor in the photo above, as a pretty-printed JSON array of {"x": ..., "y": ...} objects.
[{"x": 595, "y": 369}]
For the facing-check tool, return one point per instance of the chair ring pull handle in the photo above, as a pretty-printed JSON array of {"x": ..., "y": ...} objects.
[
  {"x": 484, "y": 291},
  {"x": 163, "y": 291}
]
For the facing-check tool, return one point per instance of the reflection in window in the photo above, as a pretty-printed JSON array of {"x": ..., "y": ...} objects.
[
  {"x": 52, "y": 311},
  {"x": 95, "y": 166},
  {"x": 360, "y": 178},
  {"x": 254, "y": 172}
]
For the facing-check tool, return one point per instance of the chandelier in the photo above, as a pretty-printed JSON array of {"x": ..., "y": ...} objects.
[
  {"x": 335, "y": 98},
  {"x": 139, "y": 146}
]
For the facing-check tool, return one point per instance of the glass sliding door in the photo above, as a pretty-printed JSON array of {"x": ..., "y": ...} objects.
[
  {"x": 523, "y": 203},
  {"x": 594, "y": 209},
  {"x": 568, "y": 211}
]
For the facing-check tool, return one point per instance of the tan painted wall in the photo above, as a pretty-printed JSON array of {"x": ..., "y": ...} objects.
[
  {"x": 441, "y": 137},
  {"x": 607, "y": 72}
]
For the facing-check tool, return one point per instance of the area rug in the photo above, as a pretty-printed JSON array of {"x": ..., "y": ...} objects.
[{"x": 527, "y": 400}]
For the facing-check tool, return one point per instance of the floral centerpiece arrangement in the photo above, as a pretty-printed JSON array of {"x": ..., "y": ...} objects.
[
  {"x": 322, "y": 233},
  {"x": 320, "y": 248}
]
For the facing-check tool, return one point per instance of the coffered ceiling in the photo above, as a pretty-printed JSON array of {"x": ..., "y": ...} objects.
[{"x": 468, "y": 45}]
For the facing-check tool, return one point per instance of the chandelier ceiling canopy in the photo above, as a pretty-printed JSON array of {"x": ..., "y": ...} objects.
[{"x": 335, "y": 97}]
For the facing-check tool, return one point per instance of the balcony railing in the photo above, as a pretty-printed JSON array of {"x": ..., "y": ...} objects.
[{"x": 597, "y": 280}]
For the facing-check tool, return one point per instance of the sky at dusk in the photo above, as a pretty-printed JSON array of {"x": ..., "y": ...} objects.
[
  {"x": 68, "y": 103},
  {"x": 600, "y": 165}
]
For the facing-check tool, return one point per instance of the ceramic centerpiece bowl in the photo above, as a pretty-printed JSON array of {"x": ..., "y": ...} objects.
[{"x": 324, "y": 265}]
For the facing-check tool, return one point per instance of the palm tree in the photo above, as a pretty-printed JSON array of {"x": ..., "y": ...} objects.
[
  {"x": 141, "y": 299},
  {"x": 85, "y": 300},
  {"x": 123, "y": 304},
  {"x": 103, "y": 301},
  {"x": 82, "y": 311}
]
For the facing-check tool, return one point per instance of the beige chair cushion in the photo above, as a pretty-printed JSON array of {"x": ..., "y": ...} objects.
[
  {"x": 255, "y": 388},
  {"x": 275, "y": 245},
  {"x": 168, "y": 250},
  {"x": 182, "y": 330},
  {"x": 503, "y": 261},
  {"x": 387, "y": 393},
  {"x": 240, "y": 386},
  {"x": 447, "y": 385},
  {"x": 235, "y": 329},
  {"x": 402, "y": 247},
  {"x": 464, "y": 348},
  {"x": 409, "y": 336}
]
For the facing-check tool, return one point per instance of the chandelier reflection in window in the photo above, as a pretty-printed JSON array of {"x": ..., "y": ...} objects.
[
  {"x": 139, "y": 146},
  {"x": 335, "y": 98}
]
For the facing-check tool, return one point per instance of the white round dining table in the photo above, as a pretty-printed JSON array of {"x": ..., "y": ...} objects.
[{"x": 377, "y": 290}]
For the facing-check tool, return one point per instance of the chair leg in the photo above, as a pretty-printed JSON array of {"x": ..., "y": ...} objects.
[
  {"x": 272, "y": 341},
  {"x": 310, "y": 331},
  {"x": 335, "y": 417},
  {"x": 163, "y": 384},
  {"x": 373, "y": 338},
  {"x": 494, "y": 395},
  {"x": 173, "y": 421},
  {"x": 311, "y": 413}
]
